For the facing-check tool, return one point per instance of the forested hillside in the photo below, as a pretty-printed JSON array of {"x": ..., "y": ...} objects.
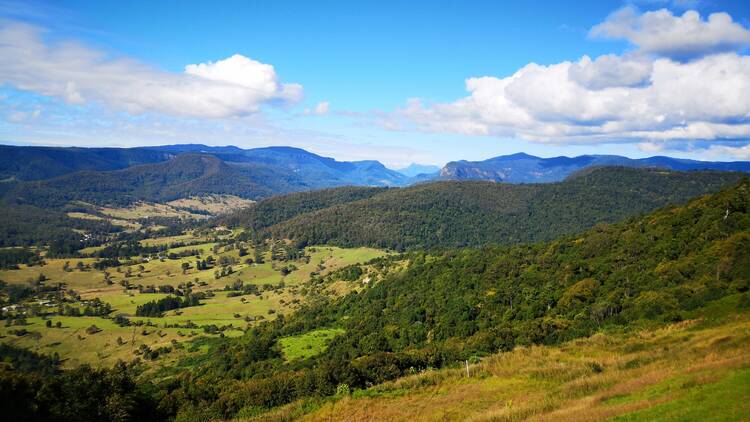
[
  {"x": 448, "y": 307},
  {"x": 456, "y": 214},
  {"x": 24, "y": 225},
  {"x": 184, "y": 176},
  {"x": 38, "y": 163},
  {"x": 275, "y": 210}
]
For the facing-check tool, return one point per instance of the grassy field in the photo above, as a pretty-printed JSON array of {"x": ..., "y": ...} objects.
[
  {"x": 73, "y": 344},
  {"x": 308, "y": 344},
  {"x": 698, "y": 369},
  {"x": 215, "y": 204},
  {"x": 77, "y": 347}
]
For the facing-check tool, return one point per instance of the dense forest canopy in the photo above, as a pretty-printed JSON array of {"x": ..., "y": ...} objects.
[{"x": 457, "y": 214}]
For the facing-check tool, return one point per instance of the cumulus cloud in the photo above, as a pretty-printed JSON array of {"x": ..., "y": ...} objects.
[
  {"x": 610, "y": 71},
  {"x": 637, "y": 97},
  {"x": 231, "y": 87},
  {"x": 679, "y": 37}
]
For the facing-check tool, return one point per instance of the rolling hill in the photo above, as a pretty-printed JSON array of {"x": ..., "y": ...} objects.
[{"x": 474, "y": 213}]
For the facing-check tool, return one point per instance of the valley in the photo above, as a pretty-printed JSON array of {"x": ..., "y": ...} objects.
[
  {"x": 616, "y": 293},
  {"x": 374, "y": 211},
  {"x": 250, "y": 293}
]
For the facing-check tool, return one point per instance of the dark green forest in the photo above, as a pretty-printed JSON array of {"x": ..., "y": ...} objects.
[
  {"x": 184, "y": 176},
  {"x": 34, "y": 388},
  {"x": 470, "y": 213},
  {"x": 278, "y": 209}
]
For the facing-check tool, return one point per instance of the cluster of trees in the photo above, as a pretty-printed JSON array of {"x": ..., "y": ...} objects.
[
  {"x": 449, "y": 306},
  {"x": 92, "y": 308},
  {"x": 10, "y": 258},
  {"x": 24, "y": 225},
  {"x": 33, "y": 388},
  {"x": 282, "y": 251},
  {"x": 128, "y": 248},
  {"x": 204, "y": 264},
  {"x": 156, "y": 308}
]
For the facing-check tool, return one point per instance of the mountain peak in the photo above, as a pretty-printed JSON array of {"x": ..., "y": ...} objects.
[
  {"x": 518, "y": 156},
  {"x": 414, "y": 169}
]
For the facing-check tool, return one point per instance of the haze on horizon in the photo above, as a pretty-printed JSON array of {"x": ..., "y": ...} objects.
[{"x": 399, "y": 83}]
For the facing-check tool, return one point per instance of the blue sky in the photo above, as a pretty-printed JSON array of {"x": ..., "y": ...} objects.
[{"x": 342, "y": 78}]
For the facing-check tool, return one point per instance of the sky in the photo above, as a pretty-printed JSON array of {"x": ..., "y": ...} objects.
[{"x": 400, "y": 82}]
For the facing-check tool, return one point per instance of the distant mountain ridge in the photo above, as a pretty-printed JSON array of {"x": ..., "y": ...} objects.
[
  {"x": 39, "y": 163},
  {"x": 300, "y": 168},
  {"x": 525, "y": 168},
  {"x": 414, "y": 170},
  {"x": 52, "y": 176}
]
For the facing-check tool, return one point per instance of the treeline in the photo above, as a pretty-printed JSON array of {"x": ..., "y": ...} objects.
[
  {"x": 23, "y": 225},
  {"x": 156, "y": 308},
  {"x": 274, "y": 210},
  {"x": 12, "y": 257},
  {"x": 459, "y": 214},
  {"x": 447, "y": 307}
]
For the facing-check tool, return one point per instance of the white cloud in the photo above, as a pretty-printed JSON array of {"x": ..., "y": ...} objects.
[
  {"x": 78, "y": 74},
  {"x": 610, "y": 71},
  {"x": 320, "y": 109},
  {"x": 680, "y": 37},
  {"x": 723, "y": 151},
  {"x": 247, "y": 73},
  {"x": 636, "y": 97}
]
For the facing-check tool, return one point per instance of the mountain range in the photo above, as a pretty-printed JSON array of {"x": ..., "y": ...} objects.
[
  {"x": 53, "y": 176},
  {"x": 524, "y": 168}
]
